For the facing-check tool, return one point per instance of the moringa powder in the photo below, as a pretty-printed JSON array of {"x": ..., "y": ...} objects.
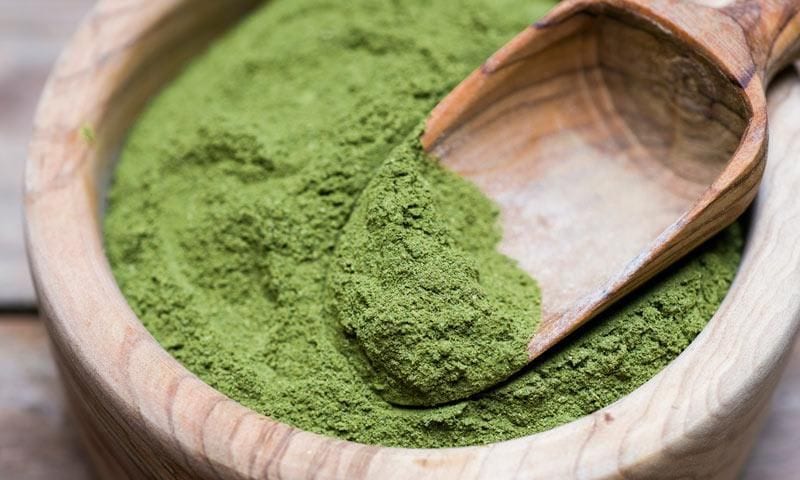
[
  {"x": 431, "y": 311},
  {"x": 275, "y": 225}
]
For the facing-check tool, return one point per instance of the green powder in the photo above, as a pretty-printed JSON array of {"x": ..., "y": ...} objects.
[
  {"x": 243, "y": 229},
  {"x": 420, "y": 289}
]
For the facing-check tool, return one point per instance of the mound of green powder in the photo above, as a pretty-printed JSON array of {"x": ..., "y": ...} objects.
[
  {"x": 238, "y": 198},
  {"x": 431, "y": 307}
]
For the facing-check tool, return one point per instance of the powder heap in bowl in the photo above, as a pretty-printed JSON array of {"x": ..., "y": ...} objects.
[{"x": 241, "y": 229}]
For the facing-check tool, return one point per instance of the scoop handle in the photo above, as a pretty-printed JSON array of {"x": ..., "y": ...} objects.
[
  {"x": 757, "y": 38},
  {"x": 771, "y": 29}
]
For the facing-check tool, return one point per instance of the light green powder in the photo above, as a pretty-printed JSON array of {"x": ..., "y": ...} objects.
[{"x": 231, "y": 213}]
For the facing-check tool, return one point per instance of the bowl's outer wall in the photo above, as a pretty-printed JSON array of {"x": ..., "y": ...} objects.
[{"x": 144, "y": 416}]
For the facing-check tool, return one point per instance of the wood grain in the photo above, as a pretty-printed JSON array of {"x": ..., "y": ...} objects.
[
  {"x": 616, "y": 136},
  {"x": 144, "y": 415},
  {"x": 29, "y": 44},
  {"x": 29, "y": 390},
  {"x": 775, "y": 455},
  {"x": 37, "y": 438}
]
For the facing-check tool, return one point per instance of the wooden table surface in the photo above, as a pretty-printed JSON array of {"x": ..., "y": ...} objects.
[
  {"x": 32, "y": 32},
  {"x": 37, "y": 440}
]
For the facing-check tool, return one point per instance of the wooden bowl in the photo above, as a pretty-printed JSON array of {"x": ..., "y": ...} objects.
[{"x": 142, "y": 414}]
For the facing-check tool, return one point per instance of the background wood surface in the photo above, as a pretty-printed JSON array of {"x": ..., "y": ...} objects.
[
  {"x": 36, "y": 437},
  {"x": 37, "y": 440},
  {"x": 32, "y": 32}
]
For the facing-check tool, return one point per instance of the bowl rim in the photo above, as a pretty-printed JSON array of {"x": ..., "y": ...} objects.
[{"x": 714, "y": 390}]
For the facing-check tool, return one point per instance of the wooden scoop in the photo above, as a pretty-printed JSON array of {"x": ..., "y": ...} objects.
[{"x": 616, "y": 136}]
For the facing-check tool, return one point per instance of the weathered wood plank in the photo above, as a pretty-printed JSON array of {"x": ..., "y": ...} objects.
[
  {"x": 37, "y": 439},
  {"x": 32, "y": 32}
]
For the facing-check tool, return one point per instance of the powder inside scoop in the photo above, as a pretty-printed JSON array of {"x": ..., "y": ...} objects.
[{"x": 429, "y": 305}]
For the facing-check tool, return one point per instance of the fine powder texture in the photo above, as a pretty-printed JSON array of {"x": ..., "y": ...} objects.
[
  {"x": 420, "y": 290},
  {"x": 239, "y": 182}
]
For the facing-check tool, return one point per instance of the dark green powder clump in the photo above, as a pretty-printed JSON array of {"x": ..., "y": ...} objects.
[
  {"x": 231, "y": 213},
  {"x": 420, "y": 289}
]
